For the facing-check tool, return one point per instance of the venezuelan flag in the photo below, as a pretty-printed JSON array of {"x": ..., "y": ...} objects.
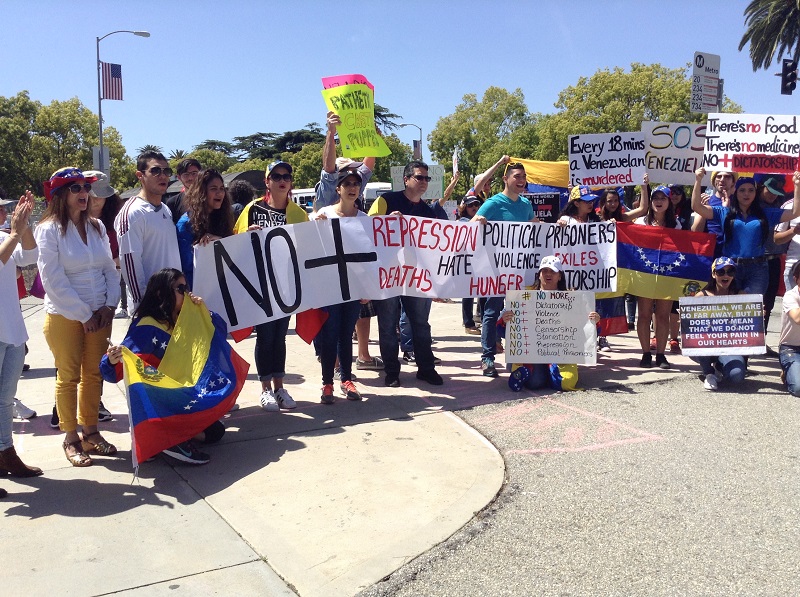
[
  {"x": 195, "y": 384},
  {"x": 662, "y": 263}
]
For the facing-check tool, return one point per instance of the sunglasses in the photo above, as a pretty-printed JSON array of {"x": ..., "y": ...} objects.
[
  {"x": 421, "y": 178},
  {"x": 726, "y": 271},
  {"x": 77, "y": 188},
  {"x": 158, "y": 171},
  {"x": 181, "y": 289},
  {"x": 279, "y": 177}
]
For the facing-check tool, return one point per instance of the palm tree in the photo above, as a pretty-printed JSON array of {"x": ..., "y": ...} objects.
[
  {"x": 177, "y": 154},
  {"x": 385, "y": 119},
  {"x": 149, "y": 147},
  {"x": 772, "y": 26}
]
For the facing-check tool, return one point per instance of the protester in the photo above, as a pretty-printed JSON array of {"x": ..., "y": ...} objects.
[
  {"x": 722, "y": 183},
  {"x": 542, "y": 375},
  {"x": 188, "y": 171},
  {"x": 660, "y": 213},
  {"x": 82, "y": 291},
  {"x": 507, "y": 206},
  {"x": 155, "y": 317},
  {"x": 407, "y": 202},
  {"x": 208, "y": 217},
  {"x": 786, "y": 232},
  {"x": 466, "y": 211},
  {"x": 241, "y": 193},
  {"x": 145, "y": 230},
  {"x": 746, "y": 226},
  {"x": 770, "y": 195},
  {"x": 681, "y": 205},
  {"x": 276, "y": 208},
  {"x": 335, "y": 338},
  {"x": 580, "y": 207},
  {"x": 731, "y": 367},
  {"x": 482, "y": 188},
  {"x": 789, "y": 351},
  {"x": 17, "y": 249}
]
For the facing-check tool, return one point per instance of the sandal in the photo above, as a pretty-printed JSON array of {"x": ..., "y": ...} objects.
[
  {"x": 79, "y": 458},
  {"x": 101, "y": 446}
]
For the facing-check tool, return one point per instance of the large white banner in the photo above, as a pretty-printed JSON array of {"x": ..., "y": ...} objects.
[
  {"x": 259, "y": 276},
  {"x": 606, "y": 159},
  {"x": 673, "y": 151},
  {"x": 752, "y": 143}
]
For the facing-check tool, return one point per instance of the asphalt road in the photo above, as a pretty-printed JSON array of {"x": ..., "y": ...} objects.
[{"x": 654, "y": 489}]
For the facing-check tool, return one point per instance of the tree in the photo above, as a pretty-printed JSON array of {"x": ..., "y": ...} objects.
[
  {"x": 479, "y": 130},
  {"x": 17, "y": 117},
  {"x": 385, "y": 119},
  {"x": 772, "y": 26},
  {"x": 615, "y": 100},
  {"x": 212, "y": 159},
  {"x": 306, "y": 164},
  {"x": 251, "y": 164},
  {"x": 176, "y": 155},
  {"x": 257, "y": 146},
  {"x": 149, "y": 147},
  {"x": 215, "y": 145},
  {"x": 400, "y": 156}
]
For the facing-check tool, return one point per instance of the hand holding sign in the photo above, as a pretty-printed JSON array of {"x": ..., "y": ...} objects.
[{"x": 355, "y": 107}]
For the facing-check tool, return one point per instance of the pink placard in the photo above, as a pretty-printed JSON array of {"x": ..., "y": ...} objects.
[{"x": 339, "y": 80}]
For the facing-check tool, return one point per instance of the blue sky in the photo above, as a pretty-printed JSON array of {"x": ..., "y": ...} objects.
[{"x": 215, "y": 70}]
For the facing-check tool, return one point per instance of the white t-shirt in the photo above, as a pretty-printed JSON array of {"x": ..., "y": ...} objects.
[
  {"x": 643, "y": 222},
  {"x": 12, "y": 326},
  {"x": 793, "y": 251},
  {"x": 330, "y": 212},
  {"x": 790, "y": 331},
  {"x": 148, "y": 243}
]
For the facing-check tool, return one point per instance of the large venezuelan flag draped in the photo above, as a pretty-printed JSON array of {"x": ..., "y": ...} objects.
[
  {"x": 195, "y": 384},
  {"x": 662, "y": 263}
]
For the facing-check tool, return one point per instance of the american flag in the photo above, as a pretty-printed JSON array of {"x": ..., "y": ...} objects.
[{"x": 112, "y": 81}]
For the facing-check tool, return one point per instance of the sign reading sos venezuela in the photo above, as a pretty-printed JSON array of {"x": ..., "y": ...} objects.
[{"x": 752, "y": 143}]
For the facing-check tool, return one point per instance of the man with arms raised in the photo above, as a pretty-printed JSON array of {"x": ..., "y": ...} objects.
[{"x": 507, "y": 206}]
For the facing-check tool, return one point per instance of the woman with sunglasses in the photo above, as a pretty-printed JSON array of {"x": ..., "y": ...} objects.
[
  {"x": 155, "y": 317},
  {"x": 275, "y": 208},
  {"x": 747, "y": 225},
  {"x": 731, "y": 368},
  {"x": 82, "y": 286},
  {"x": 208, "y": 217}
]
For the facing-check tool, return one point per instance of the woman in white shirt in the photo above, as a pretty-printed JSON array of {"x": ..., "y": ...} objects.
[
  {"x": 82, "y": 286},
  {"x": 17, "y": 248}
]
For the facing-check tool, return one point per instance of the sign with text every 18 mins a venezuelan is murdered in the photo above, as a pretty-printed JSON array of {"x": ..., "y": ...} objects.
[
  {"x": 607, "y": 159},
  {"x": 355, "y": 106},
  {"x": 759, "y": 143},
  {"x": 263, "y": 275}
]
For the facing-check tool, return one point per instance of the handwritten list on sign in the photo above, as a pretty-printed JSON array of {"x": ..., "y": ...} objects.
[{"x": 550, "y": 326}]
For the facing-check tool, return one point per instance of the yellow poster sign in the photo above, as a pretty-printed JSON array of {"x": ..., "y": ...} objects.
[{"x": 355, "y": 106}]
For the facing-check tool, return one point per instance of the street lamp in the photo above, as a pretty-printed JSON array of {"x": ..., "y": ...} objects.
[
  {"x": 99, "y": 92},
  {"x": 420, "y": 138}
]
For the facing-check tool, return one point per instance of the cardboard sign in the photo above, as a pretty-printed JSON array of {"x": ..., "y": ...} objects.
[
  {"x": 715, "y": 325},
  {"x": 673, "y": 151},
  {"x": 355, "y": 105},
  {"x": 752, "y": 143},
  {"x": 258, "y": 276},
  {"x": 550, "y": 327},
  {"x": 340, "y": 80},
  {"x": 546, "y": 206},
  {"x": 607, "y": 159}
]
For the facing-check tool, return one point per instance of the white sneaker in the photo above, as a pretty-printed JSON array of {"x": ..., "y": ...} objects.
[
  {"x": 284, "y": 399},
  {"x": 268, "y": 401},
  {"x": 23, "y": 412},
  {"x": 711, "y": 382},
  {"x": 121, "y": 313},
  {"x": 602, "y": 344}
]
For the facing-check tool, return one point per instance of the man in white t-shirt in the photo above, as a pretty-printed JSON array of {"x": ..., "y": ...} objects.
[{"x": 147, "y": 238}]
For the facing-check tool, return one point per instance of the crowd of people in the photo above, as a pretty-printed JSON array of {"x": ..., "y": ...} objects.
[{"x": 102, "y": 258}]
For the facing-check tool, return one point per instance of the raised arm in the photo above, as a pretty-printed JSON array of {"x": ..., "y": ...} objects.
[
  {"x": 481, "y": 179},
  {"x": 448, "y": 192},
  {"x": 697, "y": 202},
  {"x": 795, "y": 211},
  {"x": 644, "y": 202},
  {"x": 329, "y": 150}
]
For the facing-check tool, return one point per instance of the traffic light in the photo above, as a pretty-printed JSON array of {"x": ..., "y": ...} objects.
[{"x": 788, "y": 76}]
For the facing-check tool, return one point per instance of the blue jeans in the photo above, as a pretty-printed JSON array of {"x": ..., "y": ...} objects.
[
  {"x": 336, "y": 339},
  {"x": 491, "y": 311},
  {"x": 752, "y": 276},
  {"x": 790, "y": 363},
  {"x": 417, "y": 310},
  {"x": 11, "y": 360},
  {"x": 733, "y": 366},
  {"x": 270, "y": 353}
]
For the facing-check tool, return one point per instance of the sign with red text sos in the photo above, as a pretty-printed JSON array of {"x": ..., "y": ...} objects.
[{"x": 673, "y": 151}]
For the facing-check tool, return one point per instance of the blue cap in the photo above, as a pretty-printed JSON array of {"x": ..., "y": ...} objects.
[
  {"x": 664, "y": 190},
  {"x": 722, "y": 262}
]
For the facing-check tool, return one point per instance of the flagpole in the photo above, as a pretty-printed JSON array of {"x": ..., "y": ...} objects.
[{"x": 100, "y": 92}]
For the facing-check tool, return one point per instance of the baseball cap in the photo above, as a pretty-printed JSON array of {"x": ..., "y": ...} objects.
[
  {"x": 277, "y": 163},
  {"x": 551, "y": 262},
  {"x": 583, "y": 193},
  {"x": 664, "y": 190},
  {"x": 774, "y": 184},
  {"x": 471, "y": 200},
  {"x": 344, "y": 163},
  {"x": 100, "y": 187},
  {"x": 345, "y": 174},
  {"x": 722, "y": 262}
]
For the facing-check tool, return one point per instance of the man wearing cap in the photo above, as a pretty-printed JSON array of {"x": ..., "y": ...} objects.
[
  {"x": 507, "y": 206},
  {"x": 146, "y": 234},
  {"x": 188, "y": 170},
  {"x": 331, "y": 166},
  {"x": 407, "y": 202}
]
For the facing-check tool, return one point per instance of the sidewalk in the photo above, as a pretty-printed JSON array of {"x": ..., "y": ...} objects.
[{"x": 322, "y": 500}]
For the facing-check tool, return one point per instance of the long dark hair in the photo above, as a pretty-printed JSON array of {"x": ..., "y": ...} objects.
[
  {"x": 110, "y": 210},
  {"x": 604, "y": 213},
  {"x": 734, "y": 211},
  {"x": 669, "y": 216},
  {"x": 218, "y": 222},
  {"x": 58, "y": 212},
  {"x": 158, "y": 301},
  {"x": 571, "y": 210}
]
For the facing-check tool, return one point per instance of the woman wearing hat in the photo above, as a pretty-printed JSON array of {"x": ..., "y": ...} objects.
[
  {"x": 275, "y": 208},
  {"x": 746, "y": 225},
  {"x": 82, "y": 286},
  {"x": 731, "y": 367}
]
